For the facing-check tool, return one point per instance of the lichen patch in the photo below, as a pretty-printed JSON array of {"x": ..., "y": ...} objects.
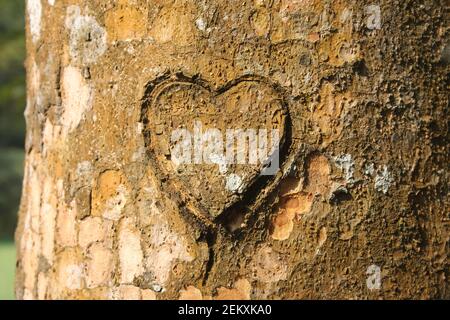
[
  {"x": 87, "y": 39},
  {"x": 383, "y": 180}
]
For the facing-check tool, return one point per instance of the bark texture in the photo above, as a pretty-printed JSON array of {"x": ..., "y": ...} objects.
[{"x": 359, "y": 208}]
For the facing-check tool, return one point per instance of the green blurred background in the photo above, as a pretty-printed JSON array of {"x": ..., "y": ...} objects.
[{"x": 12, "y": 133}]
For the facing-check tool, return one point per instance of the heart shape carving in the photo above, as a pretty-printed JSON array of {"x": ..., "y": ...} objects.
[{"x": 203, "y": 140}]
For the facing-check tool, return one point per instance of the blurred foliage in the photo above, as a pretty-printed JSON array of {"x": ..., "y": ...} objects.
[
  {"x": 12, "y": 105},
  {"x": 7, "y": 266},
  {"x": 11, "y": 167},
  {"x": 12, "y": 73}
]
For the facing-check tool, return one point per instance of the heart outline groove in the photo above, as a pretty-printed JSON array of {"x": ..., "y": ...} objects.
[{"x": 248, "y": 102}]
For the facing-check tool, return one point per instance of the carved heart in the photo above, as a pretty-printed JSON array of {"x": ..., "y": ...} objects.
[{"x": 189, "y": 129}]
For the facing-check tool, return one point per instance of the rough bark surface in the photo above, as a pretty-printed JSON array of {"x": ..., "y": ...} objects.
[{"x": 359, "y": 208}]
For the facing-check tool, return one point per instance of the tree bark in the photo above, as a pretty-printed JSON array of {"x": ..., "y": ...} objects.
[{"x": 358, "y": 208}]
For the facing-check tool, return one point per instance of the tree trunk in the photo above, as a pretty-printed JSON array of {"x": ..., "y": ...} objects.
[{"x": 355, "y": 90}]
